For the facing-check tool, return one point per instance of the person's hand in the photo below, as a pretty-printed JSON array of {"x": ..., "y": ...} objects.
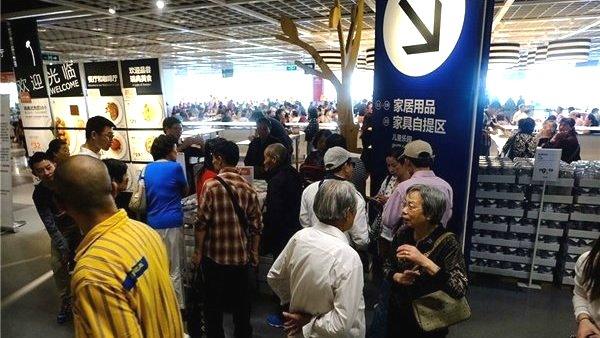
[
  {"x": 254, "y": 258},
  {"x": 293, "y": 322},
  {"x": 406, "y": 278},
  {"x": 197, "y": 258},
  {"x": 196, "y": 140},
  {"x": 381, "y": 199},
  {"x": 587, "y": 329},
  {"x": 412, "y": 254}
]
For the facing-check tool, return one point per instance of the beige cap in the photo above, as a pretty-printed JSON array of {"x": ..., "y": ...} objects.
[
  {"x": 335, "y": 157},
  {"x": 414, "y": 148}
]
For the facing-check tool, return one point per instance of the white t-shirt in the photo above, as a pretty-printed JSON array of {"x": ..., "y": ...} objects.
[
  {"x": 85, "y": 151},
  {"x": 320, "y": 274},
  {"x": 359, "y": 233}
]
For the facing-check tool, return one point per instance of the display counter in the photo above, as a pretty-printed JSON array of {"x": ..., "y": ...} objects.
[{"x": 589, "y": 142}]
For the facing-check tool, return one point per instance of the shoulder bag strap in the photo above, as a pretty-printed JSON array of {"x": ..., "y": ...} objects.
[
  {"x": 238, "y": 210},
  {"x": 438, "y": 242}
]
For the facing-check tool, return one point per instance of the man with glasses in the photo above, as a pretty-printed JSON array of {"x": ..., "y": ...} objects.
[
  {"x": 98, "y": 136},
  {"x": 339, "y": 165}
]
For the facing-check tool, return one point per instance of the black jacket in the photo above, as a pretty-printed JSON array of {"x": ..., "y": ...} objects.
[
  {"x": 281, "y": 217},
  {"x": 255, "y": 157}
]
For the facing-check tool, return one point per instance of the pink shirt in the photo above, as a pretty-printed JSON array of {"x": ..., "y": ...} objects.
[{"x": 392, "y": 211}]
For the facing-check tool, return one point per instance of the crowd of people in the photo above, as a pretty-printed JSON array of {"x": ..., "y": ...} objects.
[
  {"x": 558, "y": 131},
  {"x": 120, "y": 272}
]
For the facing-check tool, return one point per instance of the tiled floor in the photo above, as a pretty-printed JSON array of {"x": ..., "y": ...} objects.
[{"x": 499, "y": 311}]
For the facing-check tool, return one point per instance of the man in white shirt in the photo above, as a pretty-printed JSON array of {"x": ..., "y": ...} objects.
[
  {"x": 338, "y": 166},
  {"x": 98, "y": 136},
  {"x": 520, "y": 114},
  {"x": 318, "y": 276}
]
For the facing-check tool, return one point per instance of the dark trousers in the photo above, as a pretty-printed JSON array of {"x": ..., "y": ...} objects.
[
  {"x": 226, "y": 287},
  {"x": 401, "y": 323}
]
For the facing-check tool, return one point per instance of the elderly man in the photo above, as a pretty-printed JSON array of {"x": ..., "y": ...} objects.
[
  {"x": 338, "y": 166},
  {"x": 121, "y": 283},
  {"x": 282, "y": 204},
  {"x": 322, "y": 304}
]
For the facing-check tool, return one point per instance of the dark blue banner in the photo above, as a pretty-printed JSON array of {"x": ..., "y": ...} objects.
[{"x": 430, "y": 68}]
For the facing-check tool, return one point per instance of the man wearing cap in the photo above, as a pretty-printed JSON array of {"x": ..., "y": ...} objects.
[
  {"x": 338, "y": 166},
  {"x": 418, "y": 160}
]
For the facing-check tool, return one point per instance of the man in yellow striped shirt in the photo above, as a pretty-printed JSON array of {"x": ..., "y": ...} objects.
[{"x": 121, "y": 283}]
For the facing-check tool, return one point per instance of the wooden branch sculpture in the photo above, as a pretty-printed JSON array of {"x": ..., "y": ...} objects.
[{"x": 349, "y": 48}]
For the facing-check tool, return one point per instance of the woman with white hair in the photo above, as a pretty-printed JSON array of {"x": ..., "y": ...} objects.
[
  {"x": 322, "y": 304},
  {"x": 426, "y": 259}
]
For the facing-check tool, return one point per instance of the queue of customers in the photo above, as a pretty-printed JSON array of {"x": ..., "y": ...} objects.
[{"x": 118, "y": 276}]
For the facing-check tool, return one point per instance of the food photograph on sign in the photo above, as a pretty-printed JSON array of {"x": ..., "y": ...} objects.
[
  {"x": 119, "y": 148},
  {"x": 74, "y": 139},
  {"x": 140, "y": 142},
  {"x": 111, "y": 107},
  {"x": 38, "y": 140},
  {"x": 69, "y": 112},
  {"x": 145, "y": 111}
]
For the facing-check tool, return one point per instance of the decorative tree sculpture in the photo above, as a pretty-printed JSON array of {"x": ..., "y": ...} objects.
[{"x": 349, "y": 48}]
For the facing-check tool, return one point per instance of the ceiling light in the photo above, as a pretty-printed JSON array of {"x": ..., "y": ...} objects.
[
  {"x": 112, "y": 10},
  {"x": 109, "y": 37},
  {"x": 114, "y": 43},
  {"x": 98, "y": 29},
  {"x": 160, "y": 4},
  {"x": 42, "y": 30},
  {"x": 160, "y": 39}
]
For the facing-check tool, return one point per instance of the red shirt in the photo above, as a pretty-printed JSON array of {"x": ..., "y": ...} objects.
[{"x": 206, "y": 175}]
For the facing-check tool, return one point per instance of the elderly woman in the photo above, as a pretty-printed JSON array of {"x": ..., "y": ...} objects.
[
  {"x": 521, "y": 144},
  {"x": 566, "y": 139},
  {"x": 416, "y": 268},
  {"x": 323, "y": 304},
  {"x": 547, "y": 133}
]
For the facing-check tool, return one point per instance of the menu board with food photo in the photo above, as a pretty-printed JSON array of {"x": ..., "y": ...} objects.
[
  {"x": 36, "y": 114},
  {"x": 69, "y": 112},
  {"x": 119, "y": 148},
  {"x": 140, "y": 143},
  {"x": 111, "y": 107},
  {"x": 144, "y": 111},
  {"x": 74, "y": 139},
  {"x": 37, "y": 140}
]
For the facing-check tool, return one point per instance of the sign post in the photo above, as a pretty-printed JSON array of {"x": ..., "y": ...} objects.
[
  {"x": 430, "y": 68},
  {"x": 545, "y": 169}
]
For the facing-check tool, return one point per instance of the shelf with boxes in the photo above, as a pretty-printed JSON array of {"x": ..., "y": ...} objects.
[
  {"x": 503, "y": 234},
  {"x": 506, "y": 217},
  {"x": 585, "y": 216}
]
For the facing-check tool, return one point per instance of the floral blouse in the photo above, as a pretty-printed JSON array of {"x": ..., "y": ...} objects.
[
  {"x": 520, "y": 145},
  {"x": 452, "y": 277}
]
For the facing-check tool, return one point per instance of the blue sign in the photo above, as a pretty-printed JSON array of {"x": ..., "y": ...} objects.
[{"x": 430, "y": 68}]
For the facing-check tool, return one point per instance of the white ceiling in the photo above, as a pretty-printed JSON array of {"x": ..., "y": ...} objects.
[{"x": 208, "y": 33}]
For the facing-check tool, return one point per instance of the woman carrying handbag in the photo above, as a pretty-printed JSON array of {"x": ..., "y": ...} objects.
[{"x": 426, "y": 270}]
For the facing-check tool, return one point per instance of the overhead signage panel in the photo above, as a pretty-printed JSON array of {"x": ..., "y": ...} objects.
[{"x": 430, "y": 62}]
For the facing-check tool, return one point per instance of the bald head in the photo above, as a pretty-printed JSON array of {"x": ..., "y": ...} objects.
[
  {"x": 277, "y": 151},
  {"x": 83, "y": 184}
]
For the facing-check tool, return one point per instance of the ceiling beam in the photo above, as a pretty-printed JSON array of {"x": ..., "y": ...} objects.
[
  {"x": 499, "y": 3},
  {"x": 31, "y": 13},
  {"x": 160, "y": 24},
  {"x": 498, "y": 17},
  {"x": 581, "y": 30},
  {"x": 371, "y": 4}
]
